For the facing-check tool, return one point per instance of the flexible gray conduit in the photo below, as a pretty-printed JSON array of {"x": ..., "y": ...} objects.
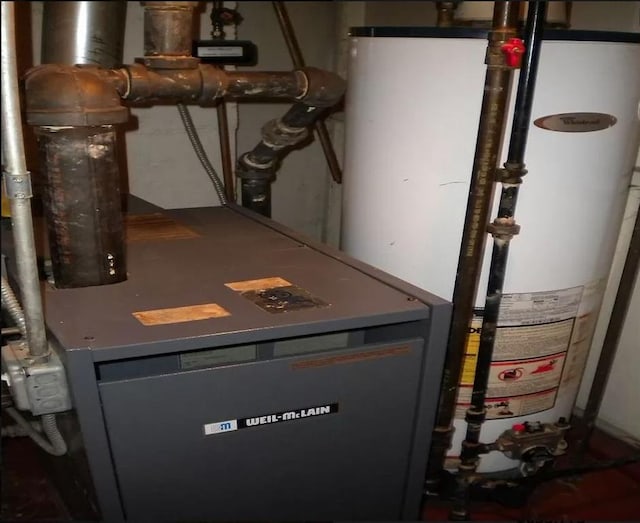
[
  {"x": 192, "y": 133},
  {"x": 12, "y": 306},
  {"x": 56, "y": 445}
]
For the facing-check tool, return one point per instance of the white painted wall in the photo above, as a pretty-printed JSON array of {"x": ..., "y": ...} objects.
[
  {"x": 620, "y": 410},
  {"x": 163, "y": 167}
]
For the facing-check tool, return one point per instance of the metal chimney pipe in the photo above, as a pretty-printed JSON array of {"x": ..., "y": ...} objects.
[
  {"x": 82, "y": 199},
  {"x": 83, "y": 33}
]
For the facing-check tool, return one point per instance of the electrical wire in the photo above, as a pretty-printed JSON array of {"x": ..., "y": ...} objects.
[
  {"x": 192, "y": 133},
  {"x": 55, "y": 445},
  {"x": 11, "y": 304}
]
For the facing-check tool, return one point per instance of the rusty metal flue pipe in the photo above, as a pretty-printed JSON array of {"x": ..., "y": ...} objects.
[{"x": 75, "y": 108}]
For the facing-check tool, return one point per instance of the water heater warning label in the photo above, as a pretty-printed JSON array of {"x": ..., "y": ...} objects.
[
  {"x": 231, "y": 425},
  {"x": 533, "y": 336}
]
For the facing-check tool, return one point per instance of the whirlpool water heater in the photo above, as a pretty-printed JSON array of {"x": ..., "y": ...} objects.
[{"x": 412, "y": 111}]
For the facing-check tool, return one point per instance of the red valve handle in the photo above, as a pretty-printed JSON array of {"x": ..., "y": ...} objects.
[{"x": 513, "y": 50}]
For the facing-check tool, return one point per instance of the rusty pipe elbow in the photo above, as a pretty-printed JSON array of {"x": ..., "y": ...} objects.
[
  {"x": 59, "y": 95},
  {"x": 324, "y": 88}
]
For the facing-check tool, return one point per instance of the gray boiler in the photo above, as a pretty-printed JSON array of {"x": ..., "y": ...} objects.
[{"x": 242, "y": 372}]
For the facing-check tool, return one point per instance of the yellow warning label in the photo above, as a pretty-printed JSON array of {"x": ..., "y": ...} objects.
[
  {"x": 181, "y": 314},
  {"x": 471, "y": 352},
  {"x": 258, "y": 285}
]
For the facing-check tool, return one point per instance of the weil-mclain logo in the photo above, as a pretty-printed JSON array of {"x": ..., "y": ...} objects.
[{"x": 221, "y": 427}]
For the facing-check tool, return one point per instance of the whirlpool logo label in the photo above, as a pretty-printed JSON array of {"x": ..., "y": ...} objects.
[{"x": 220, "y": 427}]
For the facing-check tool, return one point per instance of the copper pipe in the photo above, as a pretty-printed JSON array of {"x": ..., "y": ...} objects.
[
  {"x": 298, "y": 62},
  {"x": 446, "y": 11},
  {"x": 612, "y": 338},
  {"x": 225, "y": 150},
  {"x": 490, "y": 130}
]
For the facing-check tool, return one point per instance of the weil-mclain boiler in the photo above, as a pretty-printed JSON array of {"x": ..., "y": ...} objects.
[{"x": 242, "y": 372}]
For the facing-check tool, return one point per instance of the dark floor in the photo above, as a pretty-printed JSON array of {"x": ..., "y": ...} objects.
[{"x": 611, "y": 495}]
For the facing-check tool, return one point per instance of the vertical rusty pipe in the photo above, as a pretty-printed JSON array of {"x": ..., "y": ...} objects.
[
  {"x": 490, "y": 130},
  {"x": 446, "y": 11},
  {"x": 76, "y": 140},
  {"x": 503, "y": 229},
  {"x": 168, "y": 28},
  {"x": 83, "y": 203},
  {"x": 225, "y": 150},
  {"x": 298, "y": 62},
  {"x": 18, "y": 185}
]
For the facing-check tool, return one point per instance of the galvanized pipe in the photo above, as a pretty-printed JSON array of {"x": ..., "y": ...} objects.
[
  {"x": 225, "y": 150},
  {"x": 83, "y": 33},
  {"x": 18, "y": 188},
  {"x": 490, "y": 129}
]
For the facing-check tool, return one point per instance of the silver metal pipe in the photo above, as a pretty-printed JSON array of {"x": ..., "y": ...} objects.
[
  {"x": 18, "y": 189},
  {"x": 83, "y": 33}
]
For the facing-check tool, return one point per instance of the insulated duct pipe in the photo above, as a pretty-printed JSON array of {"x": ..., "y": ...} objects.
[
  {"x": 490, "y": 129},
  {"x": 503, "y": 229},
  {"x": 17, "y": 182}
]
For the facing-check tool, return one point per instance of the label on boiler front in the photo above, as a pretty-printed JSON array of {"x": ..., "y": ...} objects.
[{"x": 220, "y": 427}]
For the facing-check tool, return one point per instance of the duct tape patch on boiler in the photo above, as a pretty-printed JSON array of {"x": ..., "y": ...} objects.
[
  {"x": 277, "y": 295},
  {"x": 533, "y": 336},
  {"x": 231, "y": 425}
]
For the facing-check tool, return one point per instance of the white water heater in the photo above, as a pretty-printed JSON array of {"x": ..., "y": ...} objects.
[{"x": 412, "y": 112}]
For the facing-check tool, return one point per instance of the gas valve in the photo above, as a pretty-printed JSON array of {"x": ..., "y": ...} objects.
[
  {"x": 513, "y": 50},
  {"x": 533, "y": 443}
]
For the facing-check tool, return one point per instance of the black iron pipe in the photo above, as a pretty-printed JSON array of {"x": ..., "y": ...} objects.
[
  {"x": 491, "y": 126},
  {"x": 503, "y": 229},
  {"x": 256, "y": 191},
  {"x": 612, "y": 337}
]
